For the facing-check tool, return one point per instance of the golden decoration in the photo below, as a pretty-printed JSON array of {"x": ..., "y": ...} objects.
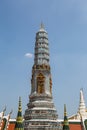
[{"x": 40, "y": 83}]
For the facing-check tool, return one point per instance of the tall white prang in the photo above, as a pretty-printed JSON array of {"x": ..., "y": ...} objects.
[{"x": 41, "y": 113}]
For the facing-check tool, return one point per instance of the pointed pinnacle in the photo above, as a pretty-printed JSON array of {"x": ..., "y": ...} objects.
[
  {"x": 65, "y": 113},
  {"x": 19, "y": 107},
  {"x": 4, "y": 109},
  {"x": 42, "y": 26}
]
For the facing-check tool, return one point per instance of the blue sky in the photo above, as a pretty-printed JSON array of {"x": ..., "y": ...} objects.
[{"x": 66, "y": 24}]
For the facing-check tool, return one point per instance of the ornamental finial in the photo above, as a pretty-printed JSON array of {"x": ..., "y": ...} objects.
[
  {"x": 4, "y": 109},
  {"x": 42, "y": 26},
  {"x": 65, "y": 123},
  {"x": 65, "y": 113},
  {"x": 19, "y": 119}
]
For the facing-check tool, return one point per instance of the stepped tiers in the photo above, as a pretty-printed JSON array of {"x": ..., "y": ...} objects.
[{"x": 41, "y": 113}]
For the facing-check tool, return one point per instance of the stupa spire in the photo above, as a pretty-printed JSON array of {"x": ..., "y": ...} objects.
[
  {"x": 41, "y": 47},
  {"x": 19, "y": 119},
  {"x": 66, "y": 123},
  {"x": 82, "y": 106}
]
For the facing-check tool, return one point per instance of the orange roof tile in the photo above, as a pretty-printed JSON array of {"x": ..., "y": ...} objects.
[
  {"x": 11, "y": 126},
  {"x": 75, "y": 126}
]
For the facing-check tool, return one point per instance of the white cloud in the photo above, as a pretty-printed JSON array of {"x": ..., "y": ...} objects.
[{"x": 29, "y": 55}]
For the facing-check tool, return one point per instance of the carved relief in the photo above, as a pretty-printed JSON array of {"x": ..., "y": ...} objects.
[
  {"x": 43, "y": 66},
  {"x": 40, "y": 83}
]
